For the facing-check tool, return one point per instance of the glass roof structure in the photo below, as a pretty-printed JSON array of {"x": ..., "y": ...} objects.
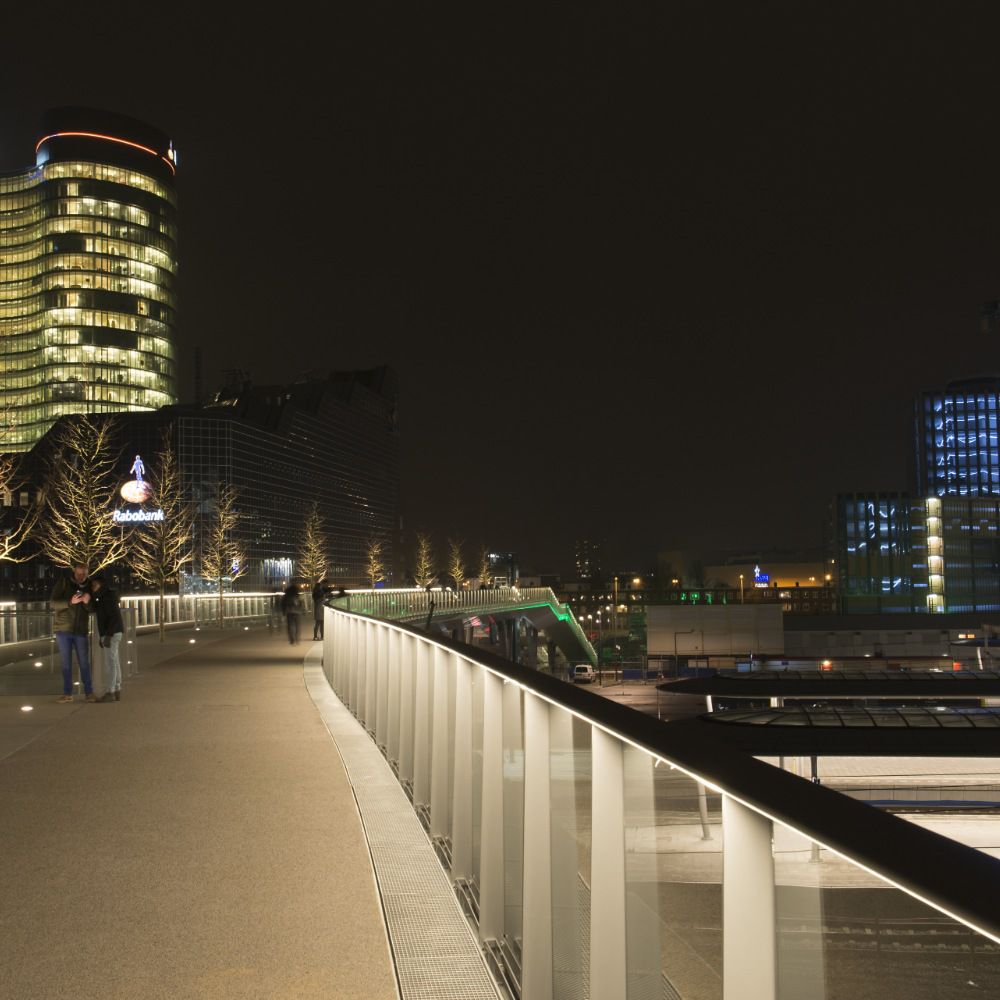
[
  {"x": 907, "y": 676},
  {"x": 865, "y": 718}
]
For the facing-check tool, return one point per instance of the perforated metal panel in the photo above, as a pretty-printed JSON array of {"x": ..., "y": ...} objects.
[{"x": 436, "y": 954}]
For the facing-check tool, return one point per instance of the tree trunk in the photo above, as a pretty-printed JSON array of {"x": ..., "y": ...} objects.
[
  {"x": 163, "y": 609},
  {"x": 221, "y": 611}
]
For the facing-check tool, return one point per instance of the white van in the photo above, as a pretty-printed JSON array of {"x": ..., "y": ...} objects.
[{"x": 583, "y": 673}]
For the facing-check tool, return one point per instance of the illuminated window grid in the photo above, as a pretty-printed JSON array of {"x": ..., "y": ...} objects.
[{"x": 88, "y": 258}]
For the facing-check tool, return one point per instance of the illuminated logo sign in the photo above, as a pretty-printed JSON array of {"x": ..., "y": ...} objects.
[
  {"x": 133, "y": 516},
  {"x": 136, "y": 491},
  {"x": 760, "y": 579}
]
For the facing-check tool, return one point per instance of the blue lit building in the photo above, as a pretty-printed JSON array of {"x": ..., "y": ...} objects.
[
  {"x": 937, "y": 549},
  {"x": 881, "y": 552},
  {"x": 956, "y": 440}
]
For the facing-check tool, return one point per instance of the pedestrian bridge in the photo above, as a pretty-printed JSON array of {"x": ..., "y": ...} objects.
[{"x": 391, "y": 812}]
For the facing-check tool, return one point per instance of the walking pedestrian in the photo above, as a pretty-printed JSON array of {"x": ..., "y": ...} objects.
[
  {"x": 293, "y": 608},
  {"x": 110, "y": 628},
  {"x": 69, "y": 601}
]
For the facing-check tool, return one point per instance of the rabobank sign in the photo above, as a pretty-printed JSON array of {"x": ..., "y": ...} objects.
[{"x": 132, "y": 516}]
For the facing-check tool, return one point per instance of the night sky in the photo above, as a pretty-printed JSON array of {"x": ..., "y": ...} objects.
[{"x": 671, "y": 279}]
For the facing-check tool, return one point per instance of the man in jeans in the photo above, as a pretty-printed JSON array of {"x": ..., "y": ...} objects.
[
  {"x": 110, "y": 628},
  {"x": 70, "y": 600}
]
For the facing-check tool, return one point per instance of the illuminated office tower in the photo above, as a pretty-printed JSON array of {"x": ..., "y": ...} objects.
[
  {"x": 88, "y": 263},
  {"x": 956, "y": 439}
]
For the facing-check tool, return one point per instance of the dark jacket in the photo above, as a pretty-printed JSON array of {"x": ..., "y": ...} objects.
[
  {"x": 69, "y": 617},
  {"x": 109, "y": 616},
  {"x": 320, "y": 594},
  {"x": 292, "y": 604}
]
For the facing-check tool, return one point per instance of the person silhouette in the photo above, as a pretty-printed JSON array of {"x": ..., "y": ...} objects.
[{"x": 138, "y": 469}]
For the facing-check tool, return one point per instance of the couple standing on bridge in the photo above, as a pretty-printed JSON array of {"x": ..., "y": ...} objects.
[{"x": 74, "y": 597}]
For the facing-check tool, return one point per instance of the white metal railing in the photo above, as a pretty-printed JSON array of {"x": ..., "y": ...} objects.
[
  {"x": 196, "y": 609},
  {"x": 409, "y": 604},
  {"x": 593, "y": 866}
]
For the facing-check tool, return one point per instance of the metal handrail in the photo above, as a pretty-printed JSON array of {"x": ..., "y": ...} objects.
[{"x": 959, "y": 881}]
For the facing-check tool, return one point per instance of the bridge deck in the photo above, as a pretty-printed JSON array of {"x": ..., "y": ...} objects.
[{"x": 198, "y": 839}]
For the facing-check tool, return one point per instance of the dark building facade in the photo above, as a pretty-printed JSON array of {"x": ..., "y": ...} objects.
[
  {"x": 332, "y": 441},
  {"x": 88, "y": 263}
]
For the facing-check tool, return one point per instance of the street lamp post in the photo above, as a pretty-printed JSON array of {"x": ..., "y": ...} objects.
[
  {"x": 686, "y": 631},
  {"x": 741, "y": 588},
  {"x": 600, "y": 649}
]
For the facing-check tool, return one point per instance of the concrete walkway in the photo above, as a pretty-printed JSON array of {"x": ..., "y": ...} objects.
[{"x": 199, "y": 839}]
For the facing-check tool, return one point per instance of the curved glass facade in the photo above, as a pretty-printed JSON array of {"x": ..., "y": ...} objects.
[{"x": 88, "y": 265}]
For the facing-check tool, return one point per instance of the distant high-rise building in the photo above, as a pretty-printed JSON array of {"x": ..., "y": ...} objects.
[
  {"x": 956, "y": 440},
  {"x": 88, "y": 262},
  {"x": 588, "y": 560},
  {"x": 503, "y": 568}
]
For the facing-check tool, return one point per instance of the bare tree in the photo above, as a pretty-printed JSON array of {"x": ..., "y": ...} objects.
[
  {"x": 484, "y": 565},
  {"x": 313, "y": 551},
  {"x": 160, "y": 549},
  {"x": 423, "y": 573},
  {"x": 75, "y": 524},
  {"x": 456, "y": 562},
  {"x": 375, "y": 568},
  {"x": 22, "y": 520},
  {"x": 222, "y": 555}
]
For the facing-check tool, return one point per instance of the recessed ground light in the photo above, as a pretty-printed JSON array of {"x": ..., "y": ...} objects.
[
  {"x": 76, "y": 684},
  {"x": 191, "y": 640},
  {"x": 129, "y": 641},
  {"x": 38, "y": 663},
  {"x": 246, "y": 628},
  {"x": 27, "y": 708},
  {"x": 197, "y": 628}
]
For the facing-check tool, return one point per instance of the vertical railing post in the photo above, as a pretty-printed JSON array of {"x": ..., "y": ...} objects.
[
  {"x": 439, "y": 748},
  {"x": 422, "y": 723},
  {"x": 356, "y": 666},
  {"x": 331, "y": 643},
  {"x": 381, "y": 684},
  {"x": 351, "y": 680},
  {"x": 392, "y": 710},
  {"x": 348, "y": 675},
  {"x": 491, "y": 895},
  {"x": 749, "y": 945},
  {"x": 343, "y": 626},
  {"x": 461, "y": 808},
  {"x": 328, "y": 653},
  {"x": 368, "y": 666},
  {"x": 536, "y": 894},
  {"x": 406, "y": 670},
  {"x": 608, "y": 966}
]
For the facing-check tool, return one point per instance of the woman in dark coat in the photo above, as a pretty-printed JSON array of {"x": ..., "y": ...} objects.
[{"x": 320, "y": 593}]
